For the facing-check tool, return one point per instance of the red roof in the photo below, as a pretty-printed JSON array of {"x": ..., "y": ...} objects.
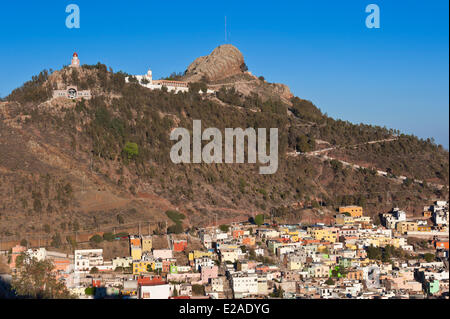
[{"x": 75, "y": 55}]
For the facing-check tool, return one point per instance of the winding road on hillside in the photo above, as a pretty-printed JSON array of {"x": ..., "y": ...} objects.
[{"x": 320, "y": 154}]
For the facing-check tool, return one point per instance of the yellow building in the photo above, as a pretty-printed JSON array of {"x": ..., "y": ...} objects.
[
  {"x": 147, "y": 243},
  {"x": 295, "y": 264},
  {"x": 326, "y": 234},
  {"x": 424, "y": 228},
  {"x": 136, "y": 253},
  {"x": 199, "y": 254},
  {"x": 404, "y": 227},
  {"x": 141, "y": 267},
  {"x": 354, "y": 211}
]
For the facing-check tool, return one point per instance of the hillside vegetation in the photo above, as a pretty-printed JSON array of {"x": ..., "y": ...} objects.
[{"x": 74, "y": 165}]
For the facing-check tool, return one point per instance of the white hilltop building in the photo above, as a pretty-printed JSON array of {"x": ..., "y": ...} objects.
[{"x": 172, "y": 86}]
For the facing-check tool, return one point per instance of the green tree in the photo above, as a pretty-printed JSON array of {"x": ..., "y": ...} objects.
[
  {"x": 89, "y": 291},
  {"x": 131, "y": 150},
  {"x": 108, "y": 236},
  {"x": 36, "y": 279},
  {"x": 259, "y": 219},
  {"x": 175, "y": 229},
  {"x": 330, "y": 281},
  {"x": 97, "y": 239}
]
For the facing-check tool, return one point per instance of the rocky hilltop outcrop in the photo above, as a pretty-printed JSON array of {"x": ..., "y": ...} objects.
[
  {"x": 225, "y": 61},
  {"x": 225, "y": 66}
]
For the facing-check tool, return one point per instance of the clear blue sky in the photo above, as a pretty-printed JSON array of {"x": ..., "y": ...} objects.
[{"x": 395, "y": 76}]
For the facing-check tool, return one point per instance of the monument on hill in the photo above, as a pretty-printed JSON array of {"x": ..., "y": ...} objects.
[{"x": 75, "y": 61}]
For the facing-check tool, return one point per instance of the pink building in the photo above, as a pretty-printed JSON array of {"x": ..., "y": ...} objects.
[
  {"x": 162, "y": 253},
  {"x": 209, "y": 273}
]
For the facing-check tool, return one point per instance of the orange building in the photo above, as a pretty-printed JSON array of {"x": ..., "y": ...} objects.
[
  {"x": 135, "y": 241},
  {"x": 179, "y": 245},
  {"x": 96, "y": 283},
  {"x": 150, "y": 280},
  {"x": 354, "y": 211},
  {"x": 249, "y": 241},
  {"x": 238, "y": 233},
  {"x": 427, "y": 213},
  {"x": 355, "y": 275},
  {"x": 441, "y": 245}
]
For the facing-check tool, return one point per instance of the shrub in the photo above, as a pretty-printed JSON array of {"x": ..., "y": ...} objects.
[
  {"x": 108, "y": 236},
  {"x": 175, "y": 216},
  {"x": 175, "y": 229},
  {"x": 97, "y": 239},
  {"x": 198, "y": 290}
]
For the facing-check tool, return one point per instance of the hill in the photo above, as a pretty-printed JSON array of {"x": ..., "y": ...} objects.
[{"x": 68, "y": 166}]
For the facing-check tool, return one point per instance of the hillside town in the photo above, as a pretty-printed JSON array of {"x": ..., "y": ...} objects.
[{"x": 353, "y": 258}]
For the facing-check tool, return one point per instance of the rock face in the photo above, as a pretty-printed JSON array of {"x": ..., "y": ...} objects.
[{"x": 225, "y": 61}]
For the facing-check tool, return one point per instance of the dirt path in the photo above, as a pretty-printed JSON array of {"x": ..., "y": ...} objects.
[{"x": 320, "y": 155}]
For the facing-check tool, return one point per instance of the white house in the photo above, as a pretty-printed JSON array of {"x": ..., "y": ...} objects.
[
  {"x": 172, "y": 86},
  {"x": 245, "y": 283},
  {"x": 155, "y": 291},
  {"x": 86, "y": 259}
]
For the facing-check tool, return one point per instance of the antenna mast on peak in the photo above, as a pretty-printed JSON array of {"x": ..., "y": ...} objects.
[{"x": 225, "y": 29}]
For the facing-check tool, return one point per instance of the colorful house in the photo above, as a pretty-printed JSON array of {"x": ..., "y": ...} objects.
[
  {"x": 147, "y": 243},
  {"x": 248, "y": 241},
  {"x": 141, "y": 267},
  {"x": 354, "y": 211},
  {"x": 179, "y": 245},
  {"x": 136, "y": 252},
  {"x": 199, "y": 254}
]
